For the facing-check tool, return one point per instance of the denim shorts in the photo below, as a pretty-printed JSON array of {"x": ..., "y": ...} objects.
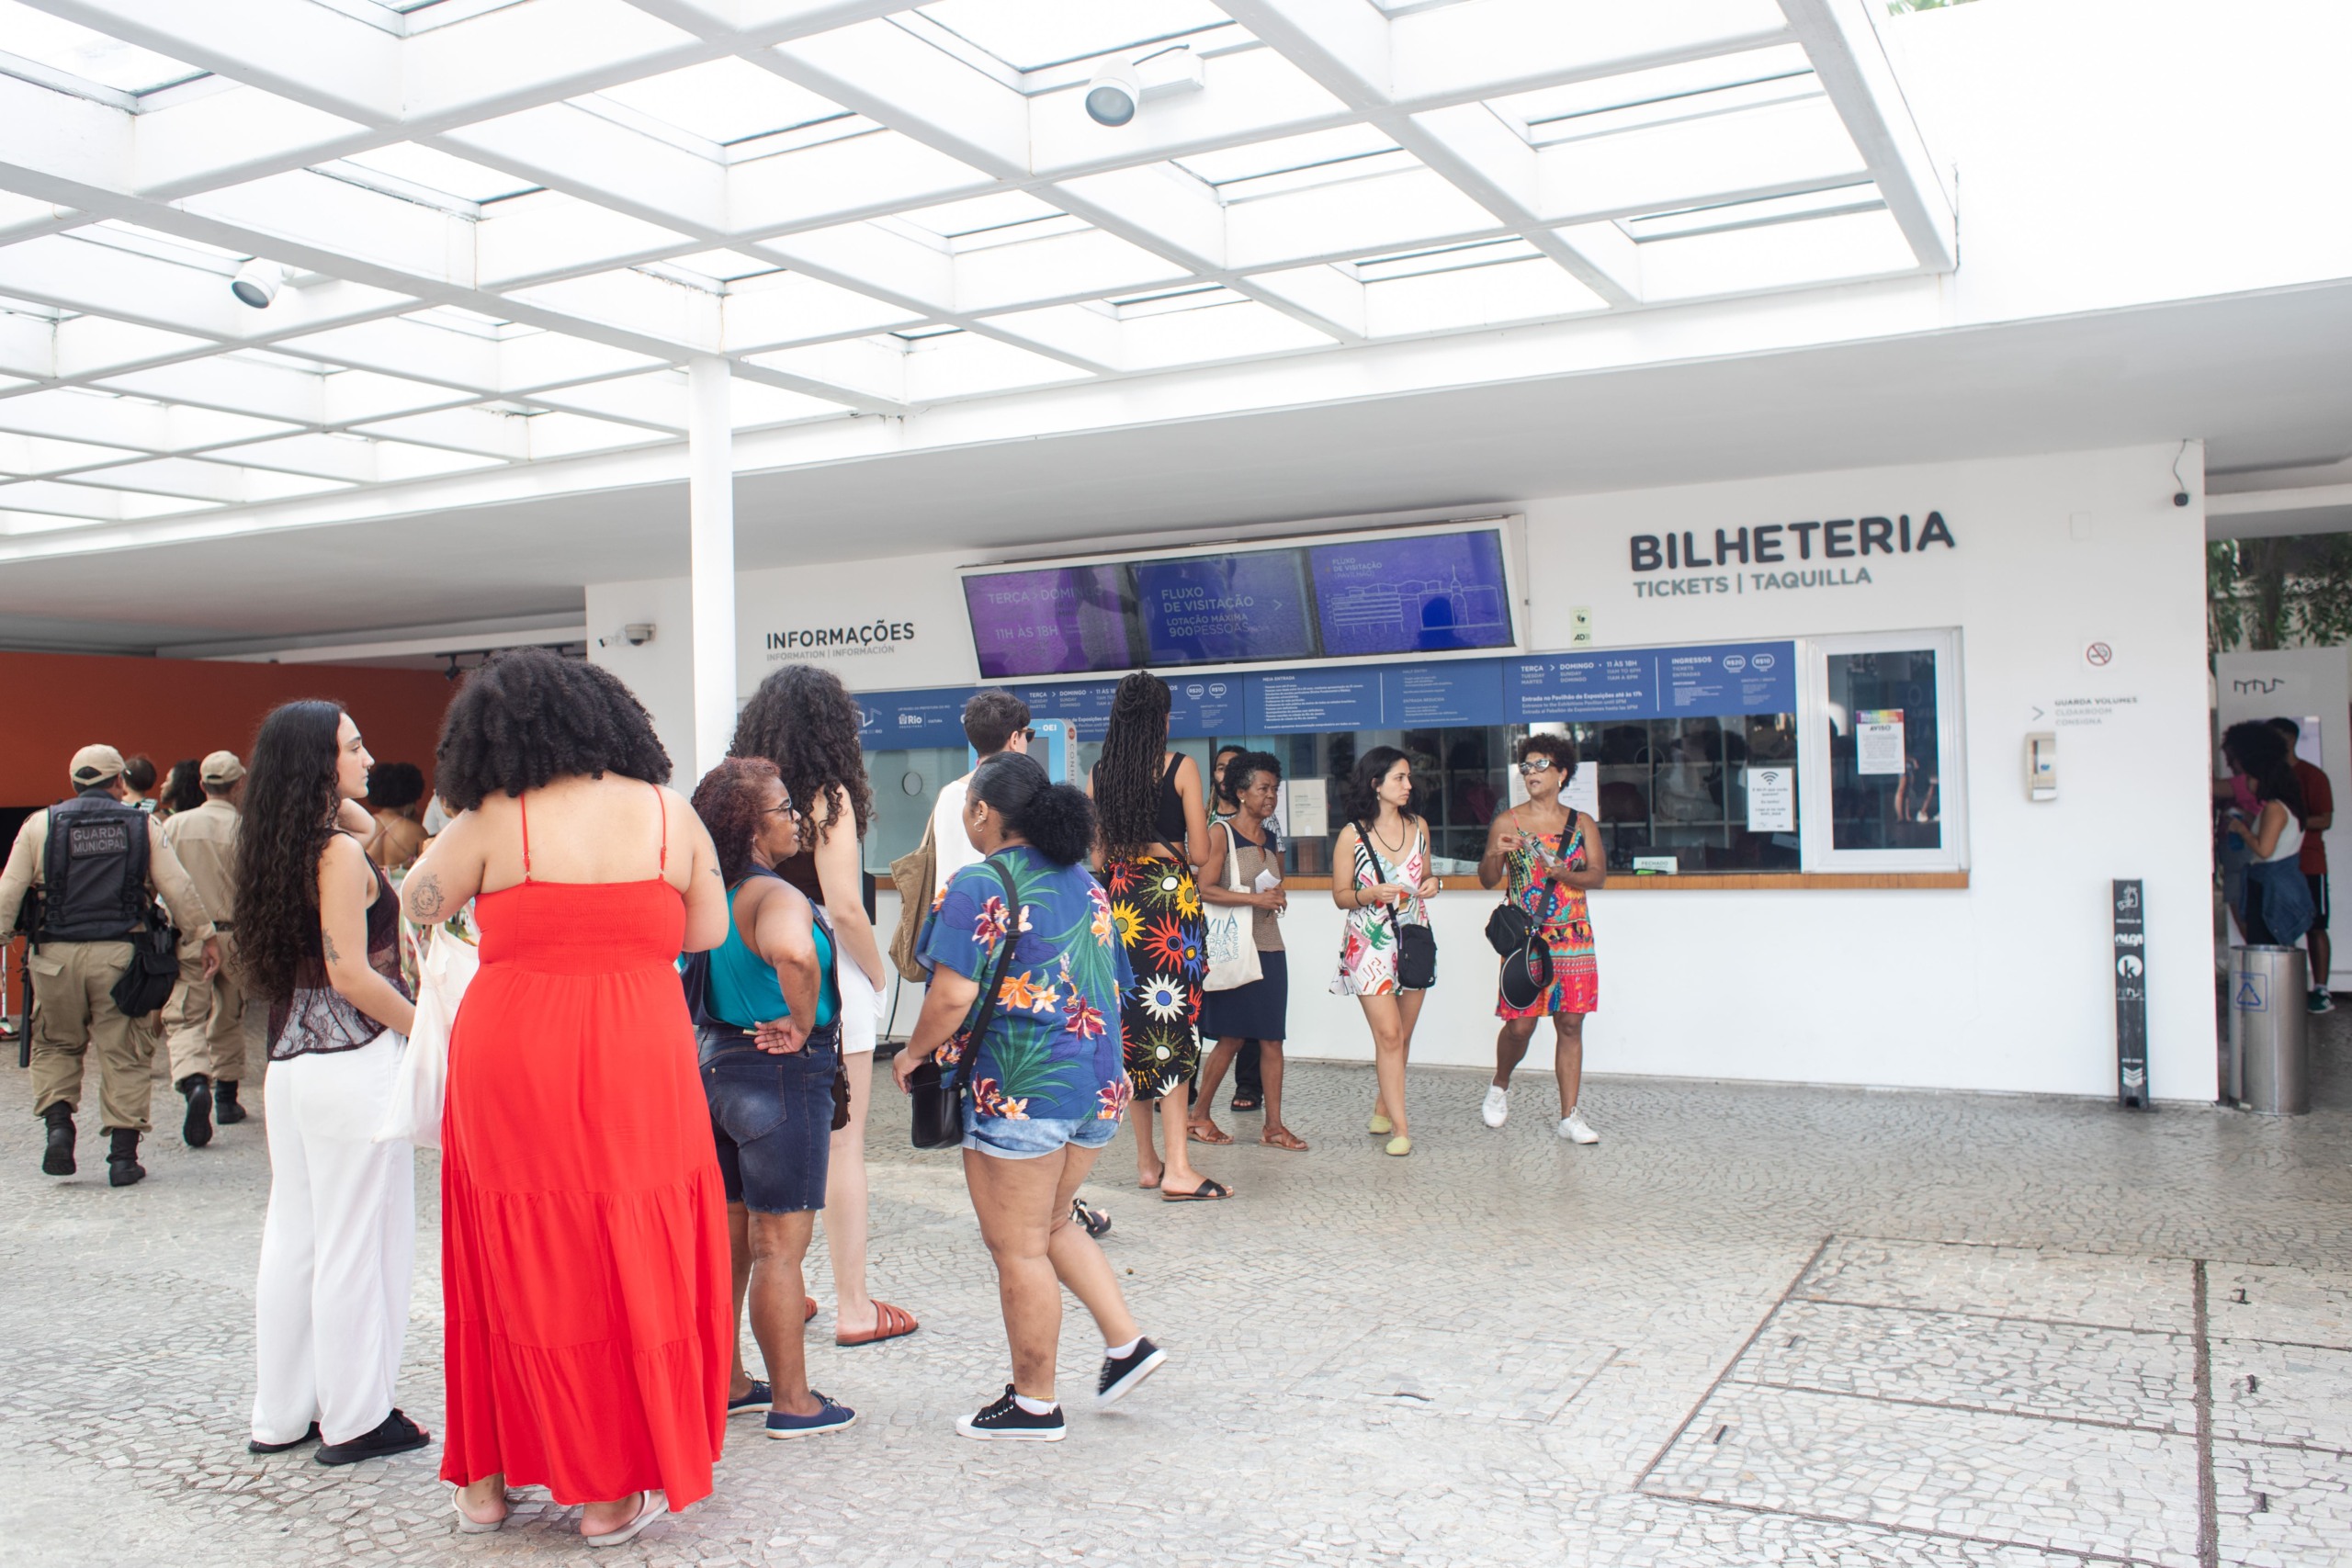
[
  {"x": 1028, "y": 1137},
  {"x": 771, "y": 1117}
]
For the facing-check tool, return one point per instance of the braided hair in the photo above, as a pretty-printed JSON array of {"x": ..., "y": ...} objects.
[{"x": 1127, "y": 781}]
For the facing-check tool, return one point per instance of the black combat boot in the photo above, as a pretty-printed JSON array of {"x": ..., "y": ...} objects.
[
  {"x": 225, "y": 1109},
  {"x": 57, "y": 1159},
  {"x": 122, "y": 1159},
  {"x": 197, "y": 1126}
]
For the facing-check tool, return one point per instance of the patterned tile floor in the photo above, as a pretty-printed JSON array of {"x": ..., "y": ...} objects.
[{"x": 1754, "y": 1324}]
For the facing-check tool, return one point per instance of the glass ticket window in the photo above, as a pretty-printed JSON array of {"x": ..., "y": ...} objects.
[
  {"x": 1712, "y": 794},
  {"x": 1885, "y": 740},
  {"x": 906, "y": 787}
]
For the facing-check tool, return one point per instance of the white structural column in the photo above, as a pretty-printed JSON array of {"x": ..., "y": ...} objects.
[{"x": 711, "y": 532}]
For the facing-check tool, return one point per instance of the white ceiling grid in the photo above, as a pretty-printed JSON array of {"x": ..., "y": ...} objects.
[{"x": 507, "y": 224}]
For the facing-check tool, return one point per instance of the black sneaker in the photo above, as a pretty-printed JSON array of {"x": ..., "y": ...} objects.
[
  {"x": 396, "y": 1433},
  {"x": 759, "y": 1397},
  {"x": 1121, "y": 1373},
  {"x": 197, "y": 1126},
  {"x": 2320, "y": 1002},
  {"x": 1005, "y": 1418},
  {"x": 57, "y": 1159},
  {"x": 255, "y": 1445},
  {"x": 1094, "y": 1221},
  {"x": 225, "y": 1109},
  {"x": 123, "y": 1168}
]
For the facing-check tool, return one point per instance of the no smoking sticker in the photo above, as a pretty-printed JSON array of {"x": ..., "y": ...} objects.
[{"x": 2097, "y": 653}]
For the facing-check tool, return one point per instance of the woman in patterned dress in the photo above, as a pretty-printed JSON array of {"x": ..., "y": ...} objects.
[
  {"x": 1548, "y": 855},
  {"x": 1154, "y": 829},
  {"x": 1389, "y": 848}
]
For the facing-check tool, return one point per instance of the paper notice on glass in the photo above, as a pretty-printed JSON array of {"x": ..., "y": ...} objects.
[
  {"x": 1582, "y": 792},
  {"x": 1772, "y": 800},
  {"x": 1878, "y": 740},
  {"x": 1309, "y": 816},
  {"x": 1268, "y": 880}
]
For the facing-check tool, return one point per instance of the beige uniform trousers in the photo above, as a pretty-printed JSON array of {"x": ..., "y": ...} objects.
[
  {"x": 205, "y": 1019},
  {"x": 73, "y": 1011}
]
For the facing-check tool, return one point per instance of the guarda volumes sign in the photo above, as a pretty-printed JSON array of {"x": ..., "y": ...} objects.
[{"x": 1779, "y": 557}]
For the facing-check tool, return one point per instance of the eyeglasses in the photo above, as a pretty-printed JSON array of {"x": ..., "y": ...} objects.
[
  {"x": 1027, "y": 732},
  {"x": 786, "y": 810},
  {"x": 1535, "y": 765}
]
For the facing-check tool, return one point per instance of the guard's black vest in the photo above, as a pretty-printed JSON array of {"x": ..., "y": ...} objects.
[{"x": 94, "y": 874}]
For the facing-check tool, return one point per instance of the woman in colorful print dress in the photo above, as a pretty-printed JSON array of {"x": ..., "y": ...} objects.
[
  {"x": 1547, "y": 856},
  {"x": 1155, "y": 830},
  {"x": 1048, "y": 1085},
  {"x": 1389, "y": 848}
]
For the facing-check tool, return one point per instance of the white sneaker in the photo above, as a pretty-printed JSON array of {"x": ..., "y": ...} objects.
[
  {"x": 1498, "y": 1106},
  {"x": 1573, "y": 1128}
]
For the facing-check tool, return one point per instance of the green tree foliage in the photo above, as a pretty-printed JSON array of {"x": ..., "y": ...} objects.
[{"x": 2288, "y": 592}]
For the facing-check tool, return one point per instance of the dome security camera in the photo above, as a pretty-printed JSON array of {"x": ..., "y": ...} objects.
[
  {"x": 1114, "y": 95},
  {"x": 257, "y": 282}
]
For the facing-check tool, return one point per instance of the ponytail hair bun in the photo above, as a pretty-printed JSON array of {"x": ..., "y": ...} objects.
[{"x": 1056, "y": 818}]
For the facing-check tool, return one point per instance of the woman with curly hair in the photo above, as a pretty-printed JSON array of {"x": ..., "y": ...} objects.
[
  {"x": 396, "y": 800},
  {"x": 1154, "y": 830},
  {"x": 584, "y": 1224},
  {"x": 183, "y": 789},
  {"x": 1382, "y": 879},
  {"x": 318, "y": 936},
  {"x": 770, "y": 1046},
  {"x": 804, "y": 720}
]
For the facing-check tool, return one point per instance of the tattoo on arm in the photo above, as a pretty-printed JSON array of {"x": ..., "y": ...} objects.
[
  {"x": 425, "y": 899},
  {"x": 326, "y": 944}
]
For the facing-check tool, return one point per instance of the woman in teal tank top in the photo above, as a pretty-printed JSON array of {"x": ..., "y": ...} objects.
[{"x": 769, "y": 1067}]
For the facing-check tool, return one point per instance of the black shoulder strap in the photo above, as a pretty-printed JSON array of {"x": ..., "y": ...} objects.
[{"x": 984, "y": 1012}]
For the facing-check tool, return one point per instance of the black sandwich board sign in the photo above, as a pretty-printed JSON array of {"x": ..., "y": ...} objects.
[{"x": 2130, "y": 997}]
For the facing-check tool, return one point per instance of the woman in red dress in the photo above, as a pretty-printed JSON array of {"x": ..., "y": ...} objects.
[{"x": 584, "y": 1247}]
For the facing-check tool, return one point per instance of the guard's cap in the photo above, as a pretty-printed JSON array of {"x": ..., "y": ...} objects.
[
  {"x": 95, "y": 765},
  {"x": 220, "y": 768}
]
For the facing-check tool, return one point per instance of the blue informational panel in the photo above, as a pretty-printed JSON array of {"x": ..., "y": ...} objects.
[
  {"x": 1224, "y": 609},
  {"x": 1715, "y": 679},
  {"x": 1456, "y": 691},
  {"x": 1411, "y": 594}
]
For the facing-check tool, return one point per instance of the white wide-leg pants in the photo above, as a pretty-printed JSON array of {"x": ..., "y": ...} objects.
[{"x": 331, "y": 1306}]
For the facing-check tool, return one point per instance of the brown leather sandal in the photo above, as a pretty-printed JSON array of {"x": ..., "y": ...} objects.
[{"x": 890, "y": 1323}]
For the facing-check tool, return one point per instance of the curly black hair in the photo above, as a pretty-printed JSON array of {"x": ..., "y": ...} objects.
[
  {"x": 391, "y": 785},
  {"x": 1561, "y": 748},
  {"x": 1127, "y": 781},
  {"x": 1056, "y": 818},
  {"x": 183, "y": 789},
  {"x": 288, "y": 817},
  {"x": 526, "y": 718},
  {"x": 1235, "y": 777},
  {"x": 728, "y": 801},
  {"x": 804, "y": 720}
]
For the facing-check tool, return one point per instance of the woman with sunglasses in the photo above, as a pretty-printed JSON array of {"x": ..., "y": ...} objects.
[
  {"x": 1381, "y": 877},
  {"x": 1547, "y": 856}
]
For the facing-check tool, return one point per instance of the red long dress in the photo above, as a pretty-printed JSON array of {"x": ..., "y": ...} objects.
[{"x": 583, "y": 1226}]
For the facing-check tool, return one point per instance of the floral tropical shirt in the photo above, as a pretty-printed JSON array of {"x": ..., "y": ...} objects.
[{"x": 1053, "y": 1048}]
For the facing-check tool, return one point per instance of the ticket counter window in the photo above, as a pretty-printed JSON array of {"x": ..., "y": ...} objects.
[{"x": 1888, "y": 749}]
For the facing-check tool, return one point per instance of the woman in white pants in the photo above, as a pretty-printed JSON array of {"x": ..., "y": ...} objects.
[{"x": 319, "y": 936}]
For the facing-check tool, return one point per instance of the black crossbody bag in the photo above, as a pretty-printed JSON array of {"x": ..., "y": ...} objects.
[
  {"x": 938, "y": 1111},
  {"x": 1416, "y": 945}
]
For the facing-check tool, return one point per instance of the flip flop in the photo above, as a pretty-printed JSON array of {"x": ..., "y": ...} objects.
[
  {"x": 1208, "y": 1132},
  {"x": 1247, "y": 1102},
  {"x": 890, "y": 1323},
  {"x": 1208, "y": 1192},
  {"x": 1284, "y": 1138},
  {"x": 650, "y": 1507}
]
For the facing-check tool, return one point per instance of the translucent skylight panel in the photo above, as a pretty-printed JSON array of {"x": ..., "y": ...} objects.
[
  {"x": 1658, "y": 85},
  {"x": 723, "y": 267},
  {"x": 1834, "y": 201},
  {"x": 927, "y": 331},
  {"x": 93, "y": 56},
  {"x": 1357, "y": 166},
  {"x": 282, "y": 361},
  {"x": 953, "y": 219},
  {"x": 725, "y": 101},
  {"x": 1662, "y": 111},
  {"x": 473, "y": 323},
  {"x": 1166, "y": 301},
  {"x": 1280, "y": 155},
  {"x": 1031, "y": 35},
  {"x": 120, "y": 236},
  {"x": 437, "y": 171},
  {"x": 1442, "y": 258}
]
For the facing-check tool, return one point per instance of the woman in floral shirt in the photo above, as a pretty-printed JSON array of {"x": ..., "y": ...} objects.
[{"x": 1050, "y": 1088}]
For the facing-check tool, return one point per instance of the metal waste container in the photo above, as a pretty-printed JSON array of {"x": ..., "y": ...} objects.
[{"x": 2269, "y": 1070}]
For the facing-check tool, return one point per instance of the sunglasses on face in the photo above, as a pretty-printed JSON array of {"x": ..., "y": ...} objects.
[{"x": 1535, "y": 765}]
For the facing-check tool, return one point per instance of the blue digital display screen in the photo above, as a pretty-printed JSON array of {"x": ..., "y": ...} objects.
[
  {"x": 1412, "y": 593},
  {"x": 1061, "y": 620},
  {"x": 1224, "y": 609}
]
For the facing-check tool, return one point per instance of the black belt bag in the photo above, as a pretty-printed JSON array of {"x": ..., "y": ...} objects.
[
  {"x": 938, "y": 1108},
  {"x": 155, "y": 968}
]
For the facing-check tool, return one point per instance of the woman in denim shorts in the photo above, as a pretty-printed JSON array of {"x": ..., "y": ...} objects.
[
  {"x": 1049, "y": 1084},
  {"x": 770, "y": 1051}
]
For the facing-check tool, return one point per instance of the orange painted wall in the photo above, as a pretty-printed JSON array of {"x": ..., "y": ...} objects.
[{"x": 53, "y": 703}]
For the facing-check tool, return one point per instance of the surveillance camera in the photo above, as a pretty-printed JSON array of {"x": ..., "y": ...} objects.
[
  {"x": 257, "y": 282},
  {"x": 638, "y": 633},
  {"x": 2180, "y": 498},
  {"x": 1113, "y": 96}
]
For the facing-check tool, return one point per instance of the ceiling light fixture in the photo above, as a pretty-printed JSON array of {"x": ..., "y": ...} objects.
[
  {"x": 257, "y": 282},
  {"x": 1122, "y": 87}
]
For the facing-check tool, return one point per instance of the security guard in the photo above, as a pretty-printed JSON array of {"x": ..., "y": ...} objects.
[
  {"x": 207, "y": 1016},
  {"x": 106, "y": 858}
]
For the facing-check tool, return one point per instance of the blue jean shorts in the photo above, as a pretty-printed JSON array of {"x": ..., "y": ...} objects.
[
  {"x": 1031, "y": 1137},
  {"x": 771, "y": 1117}
]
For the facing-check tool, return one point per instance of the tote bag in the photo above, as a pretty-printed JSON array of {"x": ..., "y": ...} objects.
[
  {"x": 1232, "y": 929},
  {"x": 415, "y": 1111}
]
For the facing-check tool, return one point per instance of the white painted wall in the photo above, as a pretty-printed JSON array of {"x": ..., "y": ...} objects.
[
  {"x": 2004, "y": 986},
  {"x": 661, "y": 672}
]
